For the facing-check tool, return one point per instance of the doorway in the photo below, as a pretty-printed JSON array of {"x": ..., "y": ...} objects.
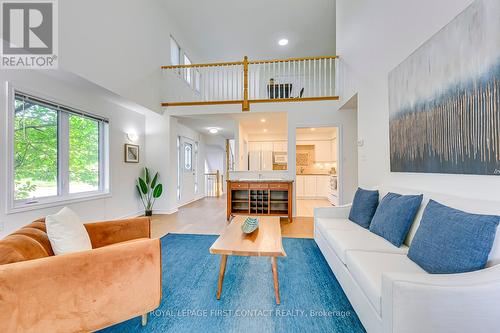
[
  {"x": 187, "y": 185},
  {"x": 317, "y": 169}
]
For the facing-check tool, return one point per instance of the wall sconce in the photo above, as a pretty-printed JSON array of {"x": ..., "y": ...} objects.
[{"x": 132, "y": 136}]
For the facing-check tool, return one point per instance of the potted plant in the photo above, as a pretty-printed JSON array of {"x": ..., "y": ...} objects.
[{"x": 149, "y": 190}]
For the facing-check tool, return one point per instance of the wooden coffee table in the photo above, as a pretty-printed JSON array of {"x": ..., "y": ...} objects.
[{"x": 263, "y": 242}]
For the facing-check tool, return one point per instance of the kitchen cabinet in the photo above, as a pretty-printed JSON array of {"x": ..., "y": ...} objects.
[
  {"x": 280, "y": 147},
  {"x": 334, "y": 150},
  {"x": 323, "y": 151},
  {"x": 322, "y": 186},
  {"x": 260, "y": 155},
  {"x": 254, "y": 156},
  {"x": 312, "y": 186}
]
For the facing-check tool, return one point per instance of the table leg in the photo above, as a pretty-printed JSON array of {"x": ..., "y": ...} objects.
[
  {"x": 223, "y": 261},
  {"x": 274, "y": 265}
]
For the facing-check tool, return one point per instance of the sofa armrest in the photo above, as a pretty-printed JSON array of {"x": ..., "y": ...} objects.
[
  {"x": 111, "y": 232},
  {"x": 467, "y": 302},
  {"x": 340, "y": 212},
  {"x": 82, "y": 291}
]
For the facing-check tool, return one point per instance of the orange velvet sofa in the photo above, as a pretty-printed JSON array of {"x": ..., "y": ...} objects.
[{"x": 120, "y": 278}]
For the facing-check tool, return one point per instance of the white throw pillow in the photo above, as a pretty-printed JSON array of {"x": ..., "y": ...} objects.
[{"x": 66, "y": 233}]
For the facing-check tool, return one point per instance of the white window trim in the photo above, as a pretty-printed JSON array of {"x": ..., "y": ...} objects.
[
  {"x": 181, "y": 74},
  {"x": 13, "y": 206}
]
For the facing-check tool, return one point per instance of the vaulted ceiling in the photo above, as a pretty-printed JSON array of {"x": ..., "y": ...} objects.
[{"x": 227, "y": 30}]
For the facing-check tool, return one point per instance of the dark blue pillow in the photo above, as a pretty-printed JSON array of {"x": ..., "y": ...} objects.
[
  {"x": 452, "y": 241},
  {"x": 394, "y": 216},
  {"x": 363, "y": 207}
]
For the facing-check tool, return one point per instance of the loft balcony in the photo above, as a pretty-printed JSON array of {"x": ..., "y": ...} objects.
[{"x": 259, "y": 81}]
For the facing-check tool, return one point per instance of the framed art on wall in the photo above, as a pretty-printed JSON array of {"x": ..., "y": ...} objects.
[
  {"x": 444, "y": 99},
  {"x": 131, "y": 153}
]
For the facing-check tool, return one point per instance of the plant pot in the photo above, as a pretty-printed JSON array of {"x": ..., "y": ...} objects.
[{"x": 148, "y": 213}]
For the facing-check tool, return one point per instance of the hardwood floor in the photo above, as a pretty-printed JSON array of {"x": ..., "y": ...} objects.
[
  {"x": 305, "y": 207},
  {"x": 208, "y": 216}
]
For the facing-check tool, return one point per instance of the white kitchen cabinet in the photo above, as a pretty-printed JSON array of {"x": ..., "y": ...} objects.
[
  {"x": 260, "y": 156},
  {"x": 254, "y": 156},
  {"x": 280, "y": 146},
  {"x": 266, "y": 158},
  {"x": 334, "y": 150},
  {"x": 310, "y": 186},
  {"x": 322, "y": 186},
  {"x": 323, "y": 151},
  {"x": 299, "y": 186}
]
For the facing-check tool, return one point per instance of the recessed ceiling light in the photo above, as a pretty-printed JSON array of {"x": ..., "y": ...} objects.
[
  {"x": 283, "y": 42},
  {"x": 265, "y": 130},
  {"x": 213, "y": 130},
  {"x": 263, "y": 120},
  {"x": 313, "y": 129}
]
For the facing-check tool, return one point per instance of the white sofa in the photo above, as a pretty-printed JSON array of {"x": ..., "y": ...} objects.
[{"x": 390, "y": 293}]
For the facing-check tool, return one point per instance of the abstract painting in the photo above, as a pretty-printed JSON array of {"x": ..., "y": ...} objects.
[{"x": 444, "y": 99}]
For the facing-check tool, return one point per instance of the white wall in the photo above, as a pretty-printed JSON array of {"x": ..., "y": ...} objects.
[
  {"x": 161, "y": 149},
  {"x": 120, "y": 45},
  {"x": 373, "y": 38},
  {"x": 73, "y": 91},
  {"x": 302, "y": 114}
]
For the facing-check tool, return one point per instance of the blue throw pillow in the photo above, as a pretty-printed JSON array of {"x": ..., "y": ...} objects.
[
  {"x": 394, "y": 216},
  {"x": 451, "y": 241},
  {"x": 363, "y": 207}
]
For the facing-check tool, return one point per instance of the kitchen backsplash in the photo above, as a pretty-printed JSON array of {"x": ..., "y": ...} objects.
[{"x": 305, "y": 162}]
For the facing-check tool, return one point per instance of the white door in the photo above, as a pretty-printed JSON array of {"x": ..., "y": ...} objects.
[
  {"x": 266, "y": 156},
  {"x": 187, "y": 169}
]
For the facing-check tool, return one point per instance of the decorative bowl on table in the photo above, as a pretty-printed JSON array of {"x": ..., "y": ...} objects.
[{"x": 250, "y": 225}]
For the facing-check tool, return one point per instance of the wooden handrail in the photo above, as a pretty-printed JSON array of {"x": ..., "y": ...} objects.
[
  {"x": 245, "y": 102},
  {"x": 214, "y": 64},
  {"x": 252, "y": 62},
  {"x": 255, "y": 62}
]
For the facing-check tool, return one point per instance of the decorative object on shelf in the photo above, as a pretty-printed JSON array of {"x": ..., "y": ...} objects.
[
  {"x": 444, "y": 100},
  {"x": 131, "y": 153},
  {"x": 250, "y": 225},
  {"x": 149, "y": 190}
]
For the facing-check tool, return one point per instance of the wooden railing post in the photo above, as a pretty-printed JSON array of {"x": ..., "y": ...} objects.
[
  {"x": 246, "y": 104},
  {"x": 217, "y": 184}
]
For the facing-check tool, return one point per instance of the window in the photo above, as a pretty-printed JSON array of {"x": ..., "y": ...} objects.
[
  {"x": 59, "y": 153},
  {"x": 188, "y": 157},
  {"x": 175, "y": 52},
  {"x": 187, "y": 73},
  {"x": 197, "y": 80}
]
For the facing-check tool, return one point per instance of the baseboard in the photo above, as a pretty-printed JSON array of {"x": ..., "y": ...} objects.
[
  {"x": 131, "y": 215},
  {"x": 166, "y": 211}
]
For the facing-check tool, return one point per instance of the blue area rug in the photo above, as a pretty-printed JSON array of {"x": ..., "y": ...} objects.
[{"x": 311, "y": 298}]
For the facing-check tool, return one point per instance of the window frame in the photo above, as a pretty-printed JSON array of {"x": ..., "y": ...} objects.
[
  {"x": 188, "y": 74},
  {"x": 173, "y": 42},
  {"x": 63, "y": 175}
]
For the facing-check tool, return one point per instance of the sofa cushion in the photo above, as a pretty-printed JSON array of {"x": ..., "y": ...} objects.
[
  {"x": 394, "y": 216},
  {"x": 363, "y": 207},
  {"x": 367, "y": 268},
  {"x": 66, "y": 233},
  {"x": 343, "y": 241},
  {"x": 338, "y": 224},
  {"x": 452, "y": 241}
]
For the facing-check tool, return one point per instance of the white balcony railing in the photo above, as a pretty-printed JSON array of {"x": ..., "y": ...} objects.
[{"x": 246, "y": 82}]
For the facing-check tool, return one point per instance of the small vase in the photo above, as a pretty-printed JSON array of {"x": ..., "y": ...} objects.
[{"x": 148, "y": 213}]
